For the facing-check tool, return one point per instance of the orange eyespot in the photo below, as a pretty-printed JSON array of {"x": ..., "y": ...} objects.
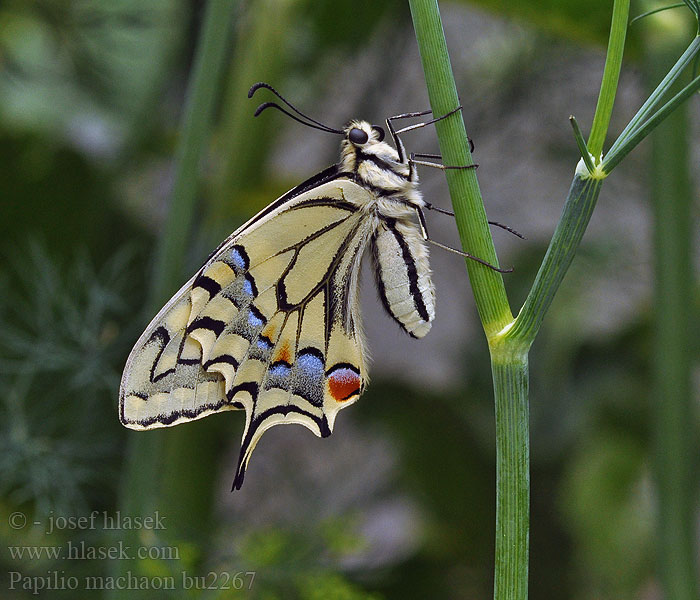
[{"x": 344, "y": 383}]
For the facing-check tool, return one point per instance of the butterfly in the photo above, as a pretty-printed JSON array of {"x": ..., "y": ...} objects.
[{"x": 271, "y": 323}]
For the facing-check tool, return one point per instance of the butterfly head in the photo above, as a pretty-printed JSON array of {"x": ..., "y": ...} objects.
[
  {"x": 363, "y": 147},
  {"x": 361, "y": 133}
]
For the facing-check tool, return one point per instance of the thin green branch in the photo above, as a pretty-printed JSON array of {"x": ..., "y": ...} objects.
[
  {"x": 656, "y": 96},
  {"x": 576, "y": 214},
  {"x": 614, "y": 158},
  {"x": 611, "y": 76},
  {"x": 656, "y": 10},
  {"x": 582, "y": 147},
  {"x": 694, "y": 6},
  {"x": 673, "y": 406},
  {"x": 487, "y": 285}
]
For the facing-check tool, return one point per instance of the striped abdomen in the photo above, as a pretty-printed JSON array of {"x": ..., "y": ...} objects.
[{"x": 402, "y": 270}]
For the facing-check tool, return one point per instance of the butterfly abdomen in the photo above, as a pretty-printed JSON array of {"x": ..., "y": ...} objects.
[{"x": 402, "y": 272}]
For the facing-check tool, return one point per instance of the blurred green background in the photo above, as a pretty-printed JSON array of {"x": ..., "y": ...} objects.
[{"x": 399, "y": 502}]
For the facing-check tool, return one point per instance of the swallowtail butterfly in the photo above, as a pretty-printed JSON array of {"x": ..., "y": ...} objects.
[{"x": 271, "y": 323}]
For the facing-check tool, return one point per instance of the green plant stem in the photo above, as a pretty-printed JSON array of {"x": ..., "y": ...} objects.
[
  {"x": 242, "y": 142},
  {"x": 510, "y": 340},
  {"x": 189, "y": 453},
  {"x": 611, "y": 76},
  {"x": 656, "y": 10},
  {"x": 487, "y": 284},
  {"x": 510, "y": 382},
  {"x": 509, "y": 368},
  {"x": 673, "y": 408},
  {"x": 143, "y": 473},
  {"x": 672, "y": 398},
  {"x": 577, "y": 211}
]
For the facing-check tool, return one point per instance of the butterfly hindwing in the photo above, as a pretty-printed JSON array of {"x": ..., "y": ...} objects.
[{"x": 270, "y": 324}]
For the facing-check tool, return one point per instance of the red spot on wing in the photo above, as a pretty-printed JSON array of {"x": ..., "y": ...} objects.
[{"x": 343, "y": 383}]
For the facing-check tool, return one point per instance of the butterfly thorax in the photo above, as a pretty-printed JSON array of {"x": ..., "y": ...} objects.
[{"x": 376, "y": 166}]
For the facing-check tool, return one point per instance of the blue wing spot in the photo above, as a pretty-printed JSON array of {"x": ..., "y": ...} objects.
[
  {"x": 255, "y": 319},
  {"x": 239, "y": 258},
  {"x": 264, "y": 342},
  {"x": 309, "y": 376},
  {"x": 280, "y": 369},
  {"x": 249, "y": 286},
  {"x": 310, "y": 361}
]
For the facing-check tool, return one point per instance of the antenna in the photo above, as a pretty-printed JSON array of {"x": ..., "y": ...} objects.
[{"x": 313, "y": 122}]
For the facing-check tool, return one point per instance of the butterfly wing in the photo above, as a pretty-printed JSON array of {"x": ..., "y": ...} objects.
[{"x": 270, "y": 324}]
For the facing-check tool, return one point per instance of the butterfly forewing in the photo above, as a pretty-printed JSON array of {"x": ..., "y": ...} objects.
[{"x": 267, "y": 325}]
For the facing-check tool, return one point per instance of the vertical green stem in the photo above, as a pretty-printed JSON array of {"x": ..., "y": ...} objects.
[
  {"x": 510, "y": 382},
  {"x": 487, "y": 285},
  {"x": 242, "y": 142},
  {"x": 509, "y": 363},
  {"x": 673, "y": 407},
  {"x": 189, "y": 453}
]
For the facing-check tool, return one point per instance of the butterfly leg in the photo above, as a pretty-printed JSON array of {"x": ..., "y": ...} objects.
[
  {"x": 424, "y": 163},
  {"x": 412, "y": 162},
  {"x": 426, "y": 237},
  {"x": 424, "y": 123},
  {"x": 430, "y": 206},
  {"x": 395, "y": 134},
  {"x": 471, "y": 149},
  {"x": 508, "y": 229}
]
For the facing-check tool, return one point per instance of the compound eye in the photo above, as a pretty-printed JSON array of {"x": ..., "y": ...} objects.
[
  {"x": 380, "y": 132},
  {"x": 357, "y": 136}
]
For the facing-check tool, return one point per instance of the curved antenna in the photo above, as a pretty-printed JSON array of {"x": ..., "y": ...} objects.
[
  {"x": 317, "y": 124},
  {"x": 265, "y": 105}
]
